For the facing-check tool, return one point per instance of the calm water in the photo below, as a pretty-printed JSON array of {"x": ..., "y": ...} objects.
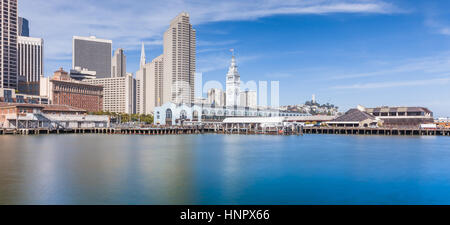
[{"x": 222, "y": 169}]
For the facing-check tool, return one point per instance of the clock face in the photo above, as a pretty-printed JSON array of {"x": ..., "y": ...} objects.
[{"x": 230, "y": 92}]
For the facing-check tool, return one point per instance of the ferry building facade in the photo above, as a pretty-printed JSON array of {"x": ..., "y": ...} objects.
[{"x": 182, "y": 114}]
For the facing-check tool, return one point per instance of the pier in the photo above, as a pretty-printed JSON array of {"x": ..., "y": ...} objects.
[
  {"x": 376, "y": 131},
  {"x": 243, "y": 130}
]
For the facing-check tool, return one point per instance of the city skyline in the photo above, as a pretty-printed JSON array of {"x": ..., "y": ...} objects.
[{"x": 347, "y": 52}]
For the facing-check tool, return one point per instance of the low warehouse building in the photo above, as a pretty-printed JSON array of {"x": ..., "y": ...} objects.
[{"x": 27, "y": 116}]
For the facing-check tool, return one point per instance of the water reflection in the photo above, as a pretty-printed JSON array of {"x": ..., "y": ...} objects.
[{"x": 223, "y": 169}]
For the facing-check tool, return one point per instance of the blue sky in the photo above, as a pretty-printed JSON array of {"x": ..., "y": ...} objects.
[{"x": 349, "y": 52}]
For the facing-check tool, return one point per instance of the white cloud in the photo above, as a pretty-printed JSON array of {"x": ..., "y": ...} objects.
[
  {"x": 128, "y": 23},
  {"x": 438, "y": 26},
  {"x": 439, "y": 63},
  {"x": 409, "y": 83}
]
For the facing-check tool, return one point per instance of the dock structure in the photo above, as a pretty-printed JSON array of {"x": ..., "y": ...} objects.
[
  {"x": 376, "y": 131},
  {"x": 247, "y": 129}
]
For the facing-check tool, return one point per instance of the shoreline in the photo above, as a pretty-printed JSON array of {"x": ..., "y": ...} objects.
[{"x": 244, "y": 131}]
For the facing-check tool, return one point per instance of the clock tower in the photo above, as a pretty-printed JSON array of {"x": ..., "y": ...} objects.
[{"x": 233, "y": 84}]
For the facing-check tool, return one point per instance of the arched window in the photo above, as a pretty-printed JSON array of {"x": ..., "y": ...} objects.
[
  {"x": 195, "y": 115},
  {"x": 183, "y": 114},
  {"x": 168, "y": 114}
]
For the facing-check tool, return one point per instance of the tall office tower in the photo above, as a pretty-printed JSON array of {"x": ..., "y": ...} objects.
[
  {"x": 30, "y": 64},
  {"x": 179, "y": 61},
  {"x": 141, "y": 80},
  {"x": 143, "y": 60},
  {"x": 233, "y": 85},
  {"x": 92, "y": 54},
  {"x": 8, "y": 44},
  {"x": 119, "y": 64},
  {"x": 216, "y": 97},
  {"x": 149, "y": 84},
  {"x": 24, "y": 29},
  {"x": 30, "y": 58},
  {"x": 154, "y": 92},
  {"x": 248, "y": 99}
]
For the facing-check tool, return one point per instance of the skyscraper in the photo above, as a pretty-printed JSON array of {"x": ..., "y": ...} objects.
[
  {"x": 8, "y": 44},
  {"x": 24, "y": 29},
  {"x": 233, "y": 85},
  {"x": 149, "y": 84},
  {"x": 179, "y": 61},
  {"x": 248, "y": 99},
  {"x": 155, "y": 70},
  {"x": 216, "y": 97},
  {"x": 92, "y": 54},
  {"x": 141, "y": 83},
  {"x": 118, "y": 93},
  {"x": 30, "y": 58},
  {"x": 30, "y": 64},
  {"x": 119, "y": 64}
]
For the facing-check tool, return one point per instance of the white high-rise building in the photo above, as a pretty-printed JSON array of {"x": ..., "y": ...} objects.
[
  {"x": 179, "y": 61},
  {"x": 149, "y": 84},
  {"x": 118, "y": 93},
  {"x": 30, "y": 58},
  {"x": 248, "y": 98},
  {"x": 8, "y": 44},
  {"x": 216, "y": 97},
  {"x": 119, "y": 64},
  {"x": 141, "y": 78},
  {"x": 154, "y": 93},
  {"x": 233, "y": 85}
]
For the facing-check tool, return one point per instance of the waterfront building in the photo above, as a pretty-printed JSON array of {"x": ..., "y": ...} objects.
[
  {"x": 310, "y": 119},
  {"x": 254, "y": 122},
  {"x": 443, "y": 123},
  {"x": 400, "y": 116},
  {"x": 8, "y": 44},
  {"x": 119, "y": 64},
  {"x": 10, "y": 95},
  {"x": 355, "y": 118},
  {"x": 93, "y": 54},
  {"x": 118, "y": 93},
  {"x": 179, "y": 61},
  {"x": 62, "y": 90},
  {"x": 28, "y": 116},
  {"x": 216, "y": 97},
  {"x": 24, "y": 29},
  {"x": 179, "y": 114},
  {"x": 248, "y": 98},
  {"x": 233, "y": 83}
]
